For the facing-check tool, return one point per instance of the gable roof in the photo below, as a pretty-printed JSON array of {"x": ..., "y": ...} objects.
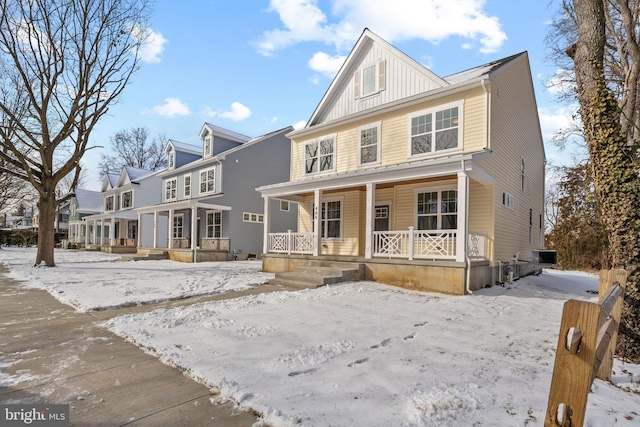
[
  {"x": 222, "y": 132},
  {"x": 133, "y": 175},
  {"x": 184, "y": 147},
  {"x": 481, "y": 70},
  {"x": 254, "y": 141},
  {"x": 109, "y": 181},
  {"x": 88, "y": 200}
]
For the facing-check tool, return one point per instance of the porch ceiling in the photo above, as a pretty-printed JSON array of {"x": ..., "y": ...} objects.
[{"x": 183, "y": 204}]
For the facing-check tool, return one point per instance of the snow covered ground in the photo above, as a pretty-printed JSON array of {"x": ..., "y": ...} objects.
[{"x": 358, "y": 353}]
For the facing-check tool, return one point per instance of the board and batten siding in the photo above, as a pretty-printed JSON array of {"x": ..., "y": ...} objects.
[
  {"x": 515, "y": 134},
  {"x": 394, "y": 135}
]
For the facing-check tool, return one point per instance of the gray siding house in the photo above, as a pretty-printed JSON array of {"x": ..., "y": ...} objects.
[{"x": 209, "y": 208}]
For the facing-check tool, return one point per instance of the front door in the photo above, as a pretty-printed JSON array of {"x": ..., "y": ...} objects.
[{"x": 381, "y": 218}]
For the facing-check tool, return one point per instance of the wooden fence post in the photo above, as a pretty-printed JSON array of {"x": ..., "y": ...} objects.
[{"x": 608, "y": 278}]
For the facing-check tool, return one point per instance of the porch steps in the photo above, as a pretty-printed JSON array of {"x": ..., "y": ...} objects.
[
  {"x": 319, "y": 273},
  {"x": 152, "y": 255}
]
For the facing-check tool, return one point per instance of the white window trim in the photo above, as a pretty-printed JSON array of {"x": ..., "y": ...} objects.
[
  {"x": 334, "y": 138},
  {"x": 288, "y": 206},
  {"x": 439, "y": 189},
  {"x": 185, "y": 186},
  {"x": 174, "y": 228},
  {"x": 523, "y": 174},
  {"x": 200, "y": 172},
  {"x": 206, "y": 225},
  {"x": 508, "y": 200},
  {"x": 380, "y": 79},
  {"x": 122, "y": 198},
  {"x": 167, "y": 197},
  {"x": 205, "y": 153},
  {"x": 433, "y": 111},
  {"x": 324, "y": 202},
  {"x": 171, "y": 158},
  {"x": 376, "y": 125},
  {"x": 113, "y": 203},
  {"x": 252, "y": 217}
]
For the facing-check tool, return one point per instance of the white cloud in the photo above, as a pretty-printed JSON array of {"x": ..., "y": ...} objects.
[
  {"x": 152, "y": 45},
  {"x": 238, "y": 112},
  {"x": 432, "y": 20},
  {"x": 553, "y": 122},
  {"x": 326, "y": 64},
  {"x": 562, "y": 83},
  {"x": 299, "y": 125},
  {"x": 172, "y": 107}
]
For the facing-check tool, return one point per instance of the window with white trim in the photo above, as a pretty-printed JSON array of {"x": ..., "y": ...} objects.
[
  {"x": 171, "y": 189},
  {"x": 369, "y": 80},
  {"x": 127, "y": 200},
  {"x": 507, "y": 200},
  {"x": 207, "y": 180},
  {"x": 522, "y": 175},
  {"x": 178, "y": 226},
  {"x": 208, "y": 146},
  {"x": 319, "y": 155},
  {"x": 187, "y": 185},
  {"x": 331, "y": 224},
  {"x": 171, "y": 154},
  {"x": 108, "y": 203},
  {"x": 284, "y": 206},
  {"x": 530, "y": 225},
  {"x": 214, "y": 224},
  {"x": 369, "y": 145},
  {"x": 435, "y": 130},
  {"x": 437, "y": 210},
  {"x": 252, "y": 217}
]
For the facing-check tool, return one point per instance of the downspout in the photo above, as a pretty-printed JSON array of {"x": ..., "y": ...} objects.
[{"x": 467, "y": 261}]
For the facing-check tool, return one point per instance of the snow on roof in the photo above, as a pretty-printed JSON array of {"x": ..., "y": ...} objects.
[
  {"x": 113, "y": 179},
  {"x": 182, "y": 146},
  {"x": 88, "y": 200},
  {"x": 481, "y": 70},
  {"x": 136, "y": 174}
]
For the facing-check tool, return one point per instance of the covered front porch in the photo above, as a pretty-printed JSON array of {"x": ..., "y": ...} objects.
[
  {"x": 115, "y": 232},
  {"x": 413, "y": 224},
  {"x": 190, "y": 230}
]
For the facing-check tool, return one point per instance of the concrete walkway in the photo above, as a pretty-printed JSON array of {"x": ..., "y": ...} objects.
[{"x": 66, "y": 357}]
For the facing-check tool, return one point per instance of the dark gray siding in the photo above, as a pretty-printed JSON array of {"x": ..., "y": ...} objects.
[
  {"x": 183, "y": 158},
  {"x": 220, "y": 145}
]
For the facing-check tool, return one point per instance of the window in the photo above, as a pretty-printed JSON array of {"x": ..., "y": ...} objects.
[
  {"x": 132, "y": 230},
  {"x": 284, "y": 206},
  {"x": 252, "y": 217},
  {"x": 331, "y": 225},
  {"x": 369, "y": 148},
  {"x": 507, "y": 200},
  {"x": 171, "y": 154},
  {"x": 170, "y": 189},
  {"x": 127, "y": 200},
  {"x": 530, "y": 225},
  {"x": 435, "y": 130},
  {"x": 319, "y": 155},
  {"x": 214, "y": 224},
  {"x": 72, "y": 208},
  {"x": 437, "y": 210},
  {"x": 369, "y": 80},
  {"x": 178, "y": 226},
  {"x": 207, "y": 180},
  {"x": 108, "y": 203},
  {"x": 187, "y": 186},
  {"x": 207, "y": 146},
  {"x": 522, "y": 175}
]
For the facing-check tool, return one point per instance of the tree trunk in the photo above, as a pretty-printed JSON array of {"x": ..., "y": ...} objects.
[
  {"x": 613, "y": 163},
  {"x": 46, "y": 214}
]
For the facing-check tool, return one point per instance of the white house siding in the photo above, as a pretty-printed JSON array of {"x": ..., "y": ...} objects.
[{"x": 515, "y": 133}]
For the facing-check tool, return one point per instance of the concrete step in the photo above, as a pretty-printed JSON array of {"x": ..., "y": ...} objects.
[
  {"x": 153, "y": 255},
  {"x": 319, "y": 274}
]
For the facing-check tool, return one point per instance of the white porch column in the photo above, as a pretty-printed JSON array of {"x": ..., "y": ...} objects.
[
  {"x": 102, "y": 231},
  {"x": 317, "y": 222},
  {"x": 463, "y": 212},
  {"x": 139, "y": 230},
  {"x": 112, "y": 231},
  {"x": 194, "y": 228},
  {"x": 94, "y": 233},
  {"x": 86, "y": 232},
  {"x": 170, "y": 231},
  {"x": 369, "y": 220},
  {"x": 155, "y": 229},
  {"x": 267, "y": 225}
]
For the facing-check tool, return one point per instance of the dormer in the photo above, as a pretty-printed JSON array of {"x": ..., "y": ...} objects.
[
  {"x": 216, "y": 140},
  {"x": 171, "y": 157},
  {"x": 109, "y": 182},
  {"x": 180, "y": 154}
]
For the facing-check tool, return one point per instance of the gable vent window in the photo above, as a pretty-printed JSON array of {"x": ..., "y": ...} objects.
[{"x": 370, "y": 80}]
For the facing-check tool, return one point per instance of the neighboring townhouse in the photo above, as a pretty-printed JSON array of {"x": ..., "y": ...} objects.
[
  {"x": 431, "y": 182},
  {"x": 83, "y": 203},
  {"x": 210, "y": 210},
  {"x": 115, "y": 228}
]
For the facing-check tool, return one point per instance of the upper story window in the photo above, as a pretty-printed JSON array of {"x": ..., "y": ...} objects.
[
  {"x": 507, "y": 200},
  {"x": 171, "y": 189},
  {"x": 370, "y": 79},
  {"x": 319, "y": 155},
  {"x": 208, "y": 146},
  {"x": 522, "y": 174},
  {"x": 72, "y": 209},
  {"x": 127, "y": 200},
  {"x": 369, "y": 147},
  {"x": 207, "y": 180},
  {"x": 435, "y": 130},
  {"x": 108, "y": 203},
  {"x": 187, "y": 185},
  {"x": 171, "y": 154}
]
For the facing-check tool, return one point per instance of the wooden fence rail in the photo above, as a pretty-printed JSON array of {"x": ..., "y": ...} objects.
[{"x": 586, "y": 344}]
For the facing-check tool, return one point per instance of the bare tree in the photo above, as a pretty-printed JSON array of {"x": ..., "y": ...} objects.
[
  {"x": 606, "y": 61},
  {"x": 62, "y": 64},
  {"x": 133, "y": 148}
]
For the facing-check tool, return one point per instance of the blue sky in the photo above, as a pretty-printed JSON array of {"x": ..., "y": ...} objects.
[{"x": 258, "y": 65}]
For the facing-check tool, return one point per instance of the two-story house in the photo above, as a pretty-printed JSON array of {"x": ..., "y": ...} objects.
[
  {"x": 83, "y": 203},
  {"x": 430, "y": 182},
  {"x": 209, "y": 208},
  {"x": 115, "y": 228}
]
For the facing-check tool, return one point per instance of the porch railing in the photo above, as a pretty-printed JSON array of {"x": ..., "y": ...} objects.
[
  {"x": 291, "y": 243},
  {"x": 478, "y": 245}
]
